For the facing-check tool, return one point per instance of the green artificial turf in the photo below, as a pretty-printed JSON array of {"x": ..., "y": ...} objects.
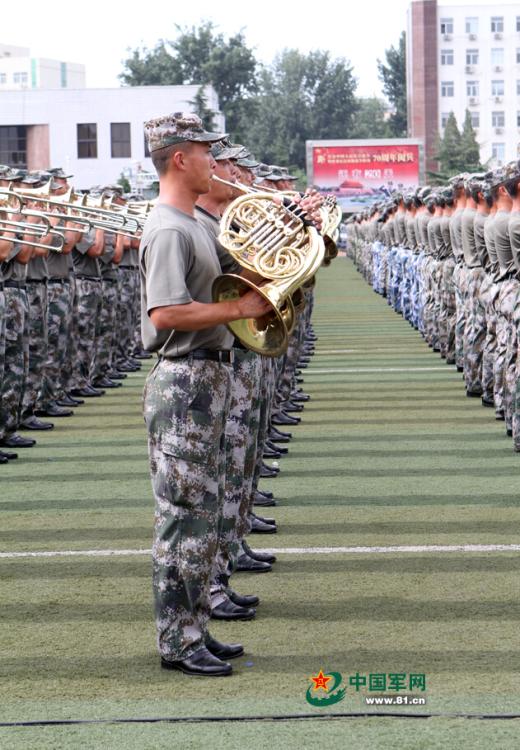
[{"x": 389, "y": 452}]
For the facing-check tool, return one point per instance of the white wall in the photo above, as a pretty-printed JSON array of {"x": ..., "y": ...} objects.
[
  {"x": 63, "y": 109},
  {"x": 483, "y": 73}
]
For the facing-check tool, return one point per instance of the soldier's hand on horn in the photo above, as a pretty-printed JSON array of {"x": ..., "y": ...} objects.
[{"x": 252, "y": 305}]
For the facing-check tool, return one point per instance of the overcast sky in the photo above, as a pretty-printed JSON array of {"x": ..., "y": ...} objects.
[{"x": 97, "y": 33}]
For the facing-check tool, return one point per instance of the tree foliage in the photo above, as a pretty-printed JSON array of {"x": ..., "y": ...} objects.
[
  {"x": 392, "y": 75},
  {"x": 370, "y": 120},
  {"x": 458, "y": 152}
]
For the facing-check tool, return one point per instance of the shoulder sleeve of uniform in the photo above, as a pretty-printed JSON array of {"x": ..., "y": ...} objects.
[{"x": 166, "y": 260}]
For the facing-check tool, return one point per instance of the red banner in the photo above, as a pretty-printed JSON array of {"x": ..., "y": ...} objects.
[{"x": 360, "y": 175}]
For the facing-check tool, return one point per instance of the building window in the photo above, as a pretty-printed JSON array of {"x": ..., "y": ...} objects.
[
  {"x": 447, "y": 88},
  {"x": 446, "y": 25},
  {"x": 120, "y": 140},
  {"x": 517, "y": 55},
  {"x": 446, "y": 57},
  {"x": 475, "y": 120},
  {"x": 497, "y": 57},
  {"x": 444, "y": 119},
  {"x": 498, "y": 119},
  {"x": 20, "y": 78},
  {"x": 13, "y": 146},
  {"x": 518, "y": 119},
  {"x": 472, "y": 26},
  {"x": 472, "y": 57},
  {"x": 518, "y": 88},
  {"x": 498, "y": 152},
  {"x": 497, "y": 88},
  {"x": 472, "y": 88},
  {"x": 3, "y": 77},
  {"x": 87, "y": 141},
  {"x": 497, "y": 24},
  {"x": 518, "y": 23}
]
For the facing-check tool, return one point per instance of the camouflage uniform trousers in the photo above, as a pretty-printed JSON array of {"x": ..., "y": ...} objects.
[
  {"x": 511, "y": 356},
  {"x": 68, "y": 372},
  {"x": 16, "y": 361},
  {"x": 505, "y": 305},
  {"x": 234, "y": 523},
  {"x": 417, "y": 291},
  {"x": 267, "y": 389},
  {"x": 87, "y": 306},
  {"x": 428, "y": 301},
  {"x": 459, "y": 279},
  {"x": 383, "y": 270},
  {"x": 516, "y": 385},
  {"x": 59, "y": 317},
  {"x": 105, "y": 325},
  {"x": 126, "y": 315},
  {"x": 448, "y": 310},
  {"x": 376, "y": 266},
  {"x": 390, "y": 284},
  {"x": 37, "y": 301},
  {"x": 474, "y": 330},
  {"x": 2, "y": 346},
  {"x": 437, "y": 286},
  {"x": 489, "y": 294},
  {"x": 405, "y": 287},
  {"x": 186, "y": 404}
]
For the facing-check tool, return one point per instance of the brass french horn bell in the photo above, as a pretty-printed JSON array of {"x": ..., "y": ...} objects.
[{"x": 273, "y": 241}]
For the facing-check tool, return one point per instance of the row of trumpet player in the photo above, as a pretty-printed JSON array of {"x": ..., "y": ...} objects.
[{"x": 41, "y": 210}]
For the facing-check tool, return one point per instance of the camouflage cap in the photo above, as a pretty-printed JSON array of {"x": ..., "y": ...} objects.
[
  {"x": 275, "y": 174},
  {"x": 263, "y": 171},
  {"x": 113, "y": 187},
  {"x": 286, "y": 175},
  {"x": 59, "y": 172},
  {"x": 178, "y": 127},
  {"x": 249, "y": 162},
  {"x": 14, "y": 175},
  {"x": 500, "y": 177},
  {"x": 222, "y": 150},
  {"x": 4, "y": 168}
]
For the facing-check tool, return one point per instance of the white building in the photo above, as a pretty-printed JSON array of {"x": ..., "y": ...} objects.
[
  {"x": 465, "y": 57},
  {"x": 18, "y": 70},
  {"x": 94, "y": 134}
]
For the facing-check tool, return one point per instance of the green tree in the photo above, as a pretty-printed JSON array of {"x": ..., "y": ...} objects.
[
  {"x": 370, "y": 120},
  {"x": 301, "y": 97},
  {"x": 199, "y": 55},
  {"x": 469, "y": 148},
  {"x": 392, "y": 75},
  {"x": 449, "y": 150},
  {"x": 200, "y": 107}
]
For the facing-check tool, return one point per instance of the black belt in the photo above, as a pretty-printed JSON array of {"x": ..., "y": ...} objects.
[
  {"x": 65, "y": 280},
  {"x": 14, "y": 284},
  {"x": 90, "y": 278},
  {"x": 216, "y": 355},
  {"x": 130, "y": 267},
  {"x": 237, "y": 344},
  {"x": 36, "y": 281},
  {"x": 1, "y": 286},
  {"x": 110, "y": 281}
]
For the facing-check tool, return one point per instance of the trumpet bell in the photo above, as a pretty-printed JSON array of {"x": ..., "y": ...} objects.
[{"x": 267, "y": 335}]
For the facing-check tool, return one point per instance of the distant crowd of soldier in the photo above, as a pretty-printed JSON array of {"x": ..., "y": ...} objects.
[{"x": 448, "y": 259}]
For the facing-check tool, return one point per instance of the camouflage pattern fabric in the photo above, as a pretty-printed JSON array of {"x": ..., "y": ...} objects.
[
  {"x": 474, "y": 330},
  {"x": 186, "y": 403},
  {"x": 459, "y": 281},
  {"x": 106, "y": 323},
  {"x": 2, "y": 347},
  {"x": 448, "y": 310},
  {"x": 87, "y": 306},
  {"x": 59, "y": 319},
  {"x": 511, "y": 354},
  {"x": 489, "y": 294},
  {"x": 68, "y": 373},
  {"x": 37, "y": 335},
  {"x": 126, "y": 313},
  {"x": 505, "y": 306},
  {"x": 16, "y": 362},
  {"x": 233, "y": 522}
]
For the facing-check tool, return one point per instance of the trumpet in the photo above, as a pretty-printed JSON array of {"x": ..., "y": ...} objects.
[{"x": 8, "y": 228}]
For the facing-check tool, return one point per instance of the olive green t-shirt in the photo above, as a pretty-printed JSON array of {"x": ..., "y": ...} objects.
[
  {"x": 178, "y": 263},
  {"x": 502, "y": 242},
  {"x": 469, "y": 248}
]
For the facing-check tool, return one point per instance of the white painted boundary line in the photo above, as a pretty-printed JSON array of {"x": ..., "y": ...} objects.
[
  {"x": 376, "y": 369},
  {"x": 399, "y": 549}
]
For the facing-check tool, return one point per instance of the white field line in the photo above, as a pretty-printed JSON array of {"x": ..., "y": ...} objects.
[
  {"x": 326, "y": 371},
  {"x": 377, "y": 550}
]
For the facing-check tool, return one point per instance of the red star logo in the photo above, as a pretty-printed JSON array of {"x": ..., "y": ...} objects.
[{"x": 320, "y": 681}]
